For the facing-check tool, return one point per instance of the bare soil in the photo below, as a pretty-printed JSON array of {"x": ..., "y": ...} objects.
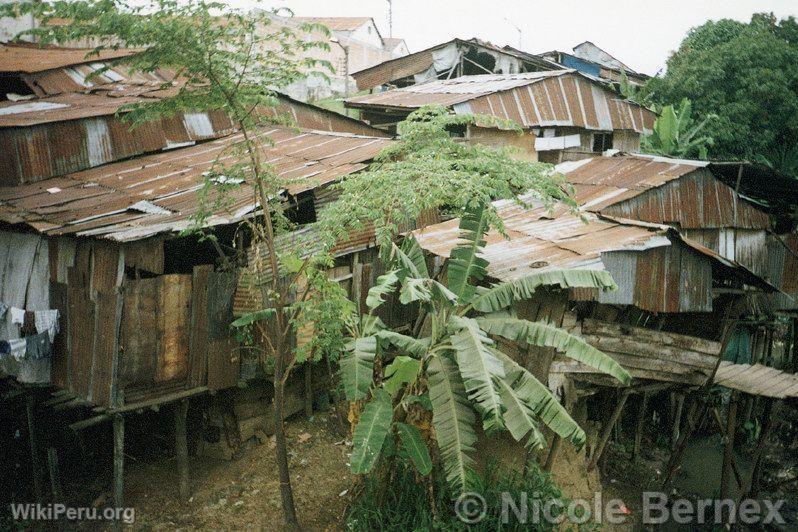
[{"x": 244, "y": 493}]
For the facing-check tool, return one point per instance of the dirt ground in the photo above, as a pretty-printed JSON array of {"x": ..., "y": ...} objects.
[{"x": 244, "y": 493}]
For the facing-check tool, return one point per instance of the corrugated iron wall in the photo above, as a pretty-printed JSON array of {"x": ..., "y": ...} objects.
[
  {"x": 31, "y": 154},
  {"x": 663, "y": 279},
  {"x": 696, "y": 200},
  {"x": 566, "y": 100}
]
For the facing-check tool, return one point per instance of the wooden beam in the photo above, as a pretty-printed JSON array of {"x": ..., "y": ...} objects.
[
  {"x": 55, "y": 477},
  {"x": 34, "y": 448},
  {"x": 756, "y": 468},
  {"x": 734, "y": 466},
  {"x": 160, "y": 400},
  {"x": 552, "y": 454},
  {"x": 728, "y": 449},
  {"x": 181, "y": 448},
  {"x": 119, "y": 460},
  {"x": 605, "y": 435},
  {"x": 640, "y": 426}
]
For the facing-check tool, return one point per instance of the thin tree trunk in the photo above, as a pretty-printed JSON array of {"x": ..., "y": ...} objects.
[{"x": 286, "y": 492}]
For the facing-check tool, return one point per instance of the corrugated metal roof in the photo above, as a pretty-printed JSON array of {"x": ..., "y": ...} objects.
[
  {"x": 538, "y": 242},
  {"x": 30, "y": 58},
  {"x": 532, "y": 99},
  {"x": 402, "y": 67},
  {"x": 101, "y": 201},
  {"x": 644, "y": 187}
]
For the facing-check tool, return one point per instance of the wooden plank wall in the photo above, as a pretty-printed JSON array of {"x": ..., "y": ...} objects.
[
  {"x": 94, "y": 300},
  {"x": 155, "y": 335}
]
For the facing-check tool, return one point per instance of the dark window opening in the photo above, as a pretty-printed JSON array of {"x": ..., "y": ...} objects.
[
  {"x": 602, "y": 142},
  {"x": 483, "y": 59},
  {"x": 13, "y": 84},
  {"x": 303, "y": 209},
  {"x": 457, "y": 130}
]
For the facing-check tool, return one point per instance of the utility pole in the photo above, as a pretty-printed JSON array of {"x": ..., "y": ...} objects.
[{"x": 390, "y": 18}]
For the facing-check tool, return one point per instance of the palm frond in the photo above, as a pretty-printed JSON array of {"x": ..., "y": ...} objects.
[
  {"x": 478, "y": 368},
  {"x": 465, "y": 265},
  {"x": 541, "y": 401},
  {"x": 504, "y": 295},
  {"x": 370, "y": 433},
  {"x": 544, "y": 335},
  {"x": 408, "y": 344},
  {"x": 453, "y": 420},
  {"x": 410, "y": 258},
  {"x": 357, "y": 367},
  {"x": 385, "y": 285}
]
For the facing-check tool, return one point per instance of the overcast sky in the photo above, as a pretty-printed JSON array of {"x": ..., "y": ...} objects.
[{"x": 641, "y": 33}]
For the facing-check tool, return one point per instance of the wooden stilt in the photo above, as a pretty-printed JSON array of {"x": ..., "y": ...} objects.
[
  {"x": 728, "y": 448},
  {"x": 34, "y": 449},
  {"x": 552, "y": 454},
  {"x": 55, "y": 477},
  {"x": 677, "y": 419},
  {"x": 119, "y": 459},
  {"x": 640, "y": 427},
  {"x": 756, "y": 469},
  {"x": 308, "y": 388},
  {"x": 605, "y": 435},
  {"x": 181, "y": 447},
  {"x": 738, "y": 477}
]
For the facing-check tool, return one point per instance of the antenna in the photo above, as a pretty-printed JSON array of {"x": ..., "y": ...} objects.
[{"x": 514, "y": 25}]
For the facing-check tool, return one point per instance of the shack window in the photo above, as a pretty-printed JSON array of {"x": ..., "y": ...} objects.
[{"x": 602, "y": 142}]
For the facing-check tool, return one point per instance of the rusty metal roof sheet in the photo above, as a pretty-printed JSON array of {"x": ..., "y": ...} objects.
[
  {"x": 538, "y": 242},
  {"x": 30, "y": 58},
  {"x": 408, "y": 65},
  {"x": 69, "y": 106},
  {"x": 158, "y": 193},
  {"x": 541, "y": 239},
  {"x": 660, "y": 190},
  {"x": 532, "y": 99}
]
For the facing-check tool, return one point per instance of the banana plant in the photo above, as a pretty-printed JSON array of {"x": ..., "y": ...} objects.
[
  {"x": 676, "y": 134},
  {"x": 456, "y": 369}
]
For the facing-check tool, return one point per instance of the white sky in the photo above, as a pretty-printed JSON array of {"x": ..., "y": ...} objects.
[{"x": 641, "y": 33}]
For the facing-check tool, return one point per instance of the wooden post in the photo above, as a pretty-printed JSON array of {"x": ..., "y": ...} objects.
[
  {"x": 181, "y": 447},
  {"x": 640, "y": 427},
  {"x": 55, "y": 477},
  {"x": 605, "y": 435},
  {"x": 309, "y": 388},
  {"x": 728, "y": 448},
  {"x": 677, "y": 420},
  {"x": 734, "y": 467},
  {"x": 556, "y": 441},
  {"x": 119, "y": 459},
  {"x": 756, "y": 469},
  {"x": 34, "y": 449}
]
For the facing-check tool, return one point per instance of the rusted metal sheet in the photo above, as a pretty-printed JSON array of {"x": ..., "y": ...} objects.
[
  {"x": 46, "y": 150},
  {"x": 396, "y": 69},
  {"x": 29, "y": 58},
  {"x": 655, "y": 269},
  {"x": 103, "y": 201},
  {"x": 660, "y": 190},
  {"x": 536, "y": 99}
]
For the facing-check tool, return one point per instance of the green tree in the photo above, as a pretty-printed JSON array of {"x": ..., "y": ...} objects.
[
  {"x": 233, "y": 61},
  {"x": 747, "y": 75},
  {"x": 457, "y": 368}
]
